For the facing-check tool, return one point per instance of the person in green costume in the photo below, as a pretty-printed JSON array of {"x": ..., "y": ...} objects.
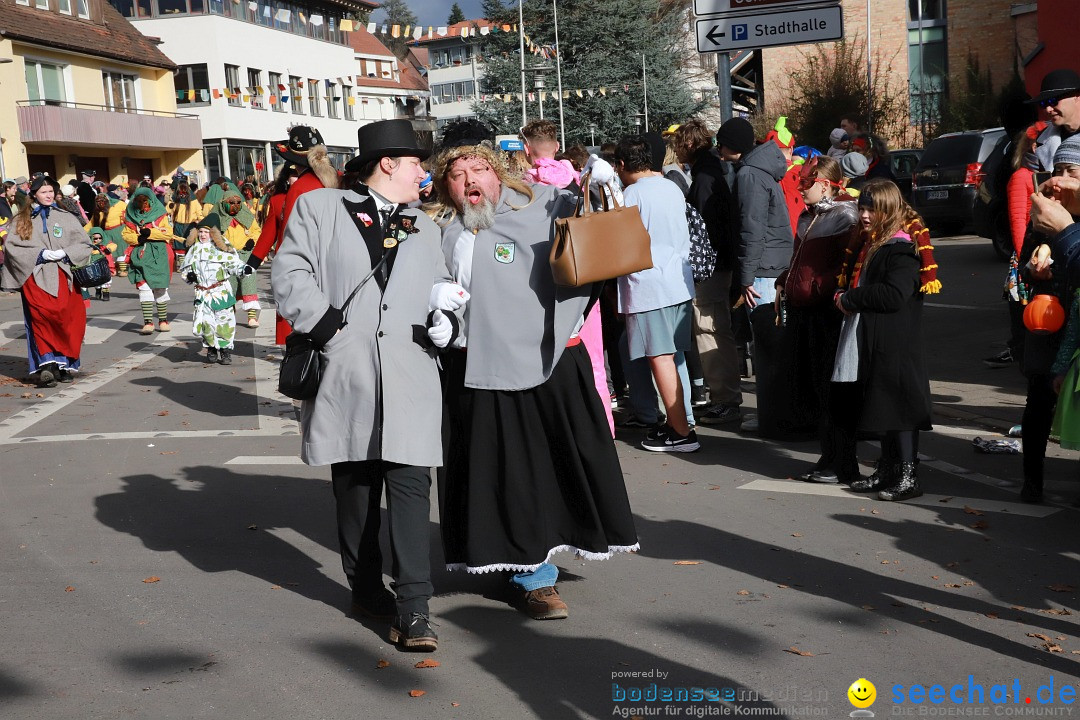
[{"x": 149, "y": 233}]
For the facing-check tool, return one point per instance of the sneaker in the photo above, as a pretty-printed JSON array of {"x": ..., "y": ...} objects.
[
  {"x": 698, "y": 396},
  {"x": 750, "y": 424},
  {"x": 545, "y": 604},
  {"x": 664, "y": 439},
  {"x": 1003, "y": 359},
  {"x": 66, "y": 376},
  {"x": 413, "y": 632},
  {"x": 378, "y": 605},
  {"x": 720, "y": 415},
  {"x": 147, "y": 329},
  {"x": 163, "y": 326},
  {"x": 614, "y": 400},
  {"x": 226, "y": 357},
  {"x": 211, "y": 355}
]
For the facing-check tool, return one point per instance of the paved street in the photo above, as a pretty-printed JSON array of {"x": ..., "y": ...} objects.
[{"x": 164, "y": 554}]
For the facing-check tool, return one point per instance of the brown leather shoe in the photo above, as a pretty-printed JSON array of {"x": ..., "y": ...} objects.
[{"x": 545, "y": 604}]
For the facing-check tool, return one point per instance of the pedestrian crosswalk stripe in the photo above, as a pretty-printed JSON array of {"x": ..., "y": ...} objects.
[
  {"x": 934, "y": 501},
  {"x": 265, "y": 460}
]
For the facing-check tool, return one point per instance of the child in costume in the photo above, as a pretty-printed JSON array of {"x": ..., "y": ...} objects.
[
  {"x": 101, "y": 248},
  {"x": 210, "y": 264},
  {"x": 240, "y": 229},
  {"x": 149, "y": 234}
]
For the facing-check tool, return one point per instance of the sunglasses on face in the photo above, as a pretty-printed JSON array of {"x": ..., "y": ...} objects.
[
  {"x": 1053, "y": 102},
  {"x": 807, "y": 181}
]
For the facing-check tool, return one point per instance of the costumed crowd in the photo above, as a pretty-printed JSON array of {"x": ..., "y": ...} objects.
[{"x": 422, "y": 285}]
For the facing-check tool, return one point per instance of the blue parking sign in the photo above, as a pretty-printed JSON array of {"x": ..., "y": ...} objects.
[{"x": 739, "y": 32}]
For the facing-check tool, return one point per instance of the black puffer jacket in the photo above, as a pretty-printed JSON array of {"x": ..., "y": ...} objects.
[{"x": 711, "y": 195}]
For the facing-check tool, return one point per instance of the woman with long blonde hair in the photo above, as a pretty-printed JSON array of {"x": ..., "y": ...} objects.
[{"x": 879, "y": 357}]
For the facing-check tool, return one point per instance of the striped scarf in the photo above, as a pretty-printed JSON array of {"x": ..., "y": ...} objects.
[{"x": 857, "y": 249}]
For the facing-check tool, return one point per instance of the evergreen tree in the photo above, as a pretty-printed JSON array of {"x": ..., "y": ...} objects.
[
  {"x": 398, "y": 13},
  {"x": 456, "y": 14},
  {"x": 494, "y": 10},
  {"x": 601, "y": 47}
]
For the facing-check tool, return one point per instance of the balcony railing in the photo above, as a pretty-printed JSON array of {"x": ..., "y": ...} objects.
[{"x": 72, "y": 123}]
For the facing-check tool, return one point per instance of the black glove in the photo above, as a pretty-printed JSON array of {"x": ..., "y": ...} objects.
[
  {"x": 249, "y": 245},
  {"x": 254, "y": 262},
  {"x": 190, "y": 278},
  {"x": 104, "y": 250},
  {"x": 248, "y": 270},
  {"x": 144, "y": 235}
]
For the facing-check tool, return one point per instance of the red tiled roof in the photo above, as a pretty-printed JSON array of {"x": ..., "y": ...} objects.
[
  {"x": 412, "y": 79},
  {"x": 365, "y": 43},
  {"x": 107, "y": 34},
  {"x": 420, "y": 56},
  {"x": 453, "y": 31}
]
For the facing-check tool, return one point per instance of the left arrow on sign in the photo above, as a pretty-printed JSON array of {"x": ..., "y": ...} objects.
[{"x": 713, "y": 36}]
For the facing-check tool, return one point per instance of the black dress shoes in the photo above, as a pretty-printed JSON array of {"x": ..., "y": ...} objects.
[
  {"x": 413, "y": 632},
  {"x": 378, "y": 605}
]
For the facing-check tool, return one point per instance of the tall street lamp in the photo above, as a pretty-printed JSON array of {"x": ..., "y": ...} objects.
[
  {"x": 538, "y": 84},
  {"x": 592, "y": 134}
]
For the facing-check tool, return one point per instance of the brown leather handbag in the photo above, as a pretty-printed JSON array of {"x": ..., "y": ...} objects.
[{"x": 593, "y": 246}]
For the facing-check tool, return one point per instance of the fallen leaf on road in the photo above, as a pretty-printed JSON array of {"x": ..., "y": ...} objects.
[
  {"x": 875, "y": 512},
  {"x": 992, "y": 616},
  {"x": 1056, "y": 611},
  {"x": 429, "y": 663},
  {"x": 27, "y": 396},
  {"x": 1060, "y": 587},
  {"x": 884, "y": 562},
  {"x": 716, "y": 487},
  {"x": 785, "y": 587},
  {"x": 796, "y": 534},
  {"x": 163, "y": 413},
  {"x": 935, "y": 577},
  {"x": 687, "y": 562},
  {"x": 1039, "y": 636},
  {"x": 953, "y": 585},
  {"x": 980, "y": 525},
  {"x": 972, "y": 511},
  {"x": 455, "y": 704},
  {"x": 1018, "y": 607},
  {"x": 69, "y": 588},
  {"x": 167, "y": 452},
  {"x": 743, "y": 592},
  {"x": 152, "y": 579},
  {"x": 382, "y": 664},
  {"x": 796, "y": 651},
  {"x": 275, "y": 587},
  {"x": 868, "y": 607},
  {"x": 968, "y": 583},
  {"x": 253, "y": 526},
  {"x": 946, "y": 499},
  {"x": 39, "y": 395},
  {"x": 1053, "y": 647},
  {"x": 416, "y": 693}
]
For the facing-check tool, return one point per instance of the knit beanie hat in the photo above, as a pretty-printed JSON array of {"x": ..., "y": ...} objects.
[
  {"x": 737, "y": 134},
  {"x": 837, "y": 136},
  {"x": 854, "y": 165},
  {"x": 1068, "y": 151}
]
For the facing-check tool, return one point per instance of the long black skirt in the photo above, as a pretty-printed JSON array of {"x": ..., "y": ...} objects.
[{"x": 530, "y": 473}]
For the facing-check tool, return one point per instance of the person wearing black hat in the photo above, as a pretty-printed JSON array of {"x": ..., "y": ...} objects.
[
  {"x": 85, "y": 190},
  {"x": 45, "y": 244},
  {"x": 1059, "y": 97},
  {"x": 377, "y": 418}
]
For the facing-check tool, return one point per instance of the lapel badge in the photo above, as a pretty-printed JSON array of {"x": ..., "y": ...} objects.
[
  {"x": 504, "y": 252},
  {"x": 389, "y": 242},
  {"x": 364, "y": 218}
]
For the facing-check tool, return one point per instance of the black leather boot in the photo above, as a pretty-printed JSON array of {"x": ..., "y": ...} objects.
[
  {"x": 884, "y": 476},
  {"x": 907, "y": 486}
]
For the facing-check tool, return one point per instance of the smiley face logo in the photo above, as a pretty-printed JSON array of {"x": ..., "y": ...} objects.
[{"x": 862, "y": 693}]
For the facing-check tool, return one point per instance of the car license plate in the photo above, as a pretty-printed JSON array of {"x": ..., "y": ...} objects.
[{"x": 937, "y": 195}]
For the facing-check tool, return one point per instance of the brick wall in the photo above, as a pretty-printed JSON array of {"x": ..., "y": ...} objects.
[{"x": 984, "y": 28}]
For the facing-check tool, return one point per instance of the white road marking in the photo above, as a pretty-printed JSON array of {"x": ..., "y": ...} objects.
[
  {"x": 934, "y": 501},
  {"x": 147, "y": 435},
  {"x": 266, "y": 460},
  {"x": 29, "y": 417}
]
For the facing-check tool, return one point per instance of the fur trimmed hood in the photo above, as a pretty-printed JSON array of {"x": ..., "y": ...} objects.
[
  {"x": 215, "y": 237},
  {"x": 319, "y": 163}
]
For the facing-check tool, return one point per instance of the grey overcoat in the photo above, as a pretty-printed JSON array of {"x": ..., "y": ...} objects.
[{"x": 380, "y": 396}]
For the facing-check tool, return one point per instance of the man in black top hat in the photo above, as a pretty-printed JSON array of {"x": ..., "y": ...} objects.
[
  {"x": 85, "y": 191},
  {"x": 377, "y": 417},
  {"x": 1059, "y": 97}
]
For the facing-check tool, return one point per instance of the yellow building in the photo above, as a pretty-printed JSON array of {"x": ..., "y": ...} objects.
[{"x": 82, "y": 89}]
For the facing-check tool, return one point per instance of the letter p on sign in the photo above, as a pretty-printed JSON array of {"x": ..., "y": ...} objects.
[{"x": 739, "y": 32}]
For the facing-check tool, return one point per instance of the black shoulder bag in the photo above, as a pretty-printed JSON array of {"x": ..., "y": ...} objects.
[{"x": 300, "y": 372}]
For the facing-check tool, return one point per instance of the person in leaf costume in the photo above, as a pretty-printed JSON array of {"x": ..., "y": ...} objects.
[
  {"x": 149, "y": 233},
  {"x": 240, "y": 229},
  {"x": 210, "y": 264}
]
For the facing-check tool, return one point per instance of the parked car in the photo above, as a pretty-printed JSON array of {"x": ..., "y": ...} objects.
[
  {"x": 903, "y": 163},
  {"x": 948, "y": 177},
  {"x": 991, "y": 214}
]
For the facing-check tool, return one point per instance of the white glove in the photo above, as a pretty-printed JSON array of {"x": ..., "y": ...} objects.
[
  {"x": 602, "y": 172},
  {"x": 441, "y": 329},
  {"x": 53, "y": 255},
  {"x": 447, "y": 296}
]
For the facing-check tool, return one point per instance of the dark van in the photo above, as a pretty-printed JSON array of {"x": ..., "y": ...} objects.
[{"x": 947, "y": 178}]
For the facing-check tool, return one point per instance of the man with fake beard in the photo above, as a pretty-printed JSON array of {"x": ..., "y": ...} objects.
[{"x": 531, "y": 468}]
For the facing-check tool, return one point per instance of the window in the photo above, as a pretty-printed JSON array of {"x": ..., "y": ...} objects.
[
  {"x": 275, "y": 89},
  {"x": 144, "y": 9},
  {"x": 41, "y": 4},
  {"x": 45, "y": 82},
  {"x": 928, "y": 52},
  {"x": 332, "y": 99},
  {"x": 22, "y": 2},
  {"x": 119, "y": 91},
  {"x": 313, "y": 98},
  {"x": 64, "y": 6},
  {"x": 124, "y": 7},
  {"x": 192, "y": 77},
  {"x": 454, "y": 92},
  {"x": 84, "y": 9},
  {"x": 232, "y": 84},
  {"x": 347, "y": 98},
  {"x": 254, "y": 78},
  {"x": 296, "y": 90}
]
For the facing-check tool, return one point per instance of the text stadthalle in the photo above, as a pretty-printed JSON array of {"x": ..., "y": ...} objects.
[{"x": 789, "y": 26}]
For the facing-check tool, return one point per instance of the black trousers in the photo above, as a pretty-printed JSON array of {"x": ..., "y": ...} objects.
[
  {"x": 358, "y": 490},
  {"x": 1037, "y": 421}
]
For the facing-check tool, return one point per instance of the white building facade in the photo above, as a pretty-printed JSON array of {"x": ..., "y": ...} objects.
[{"x": 455, "y": 70}]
